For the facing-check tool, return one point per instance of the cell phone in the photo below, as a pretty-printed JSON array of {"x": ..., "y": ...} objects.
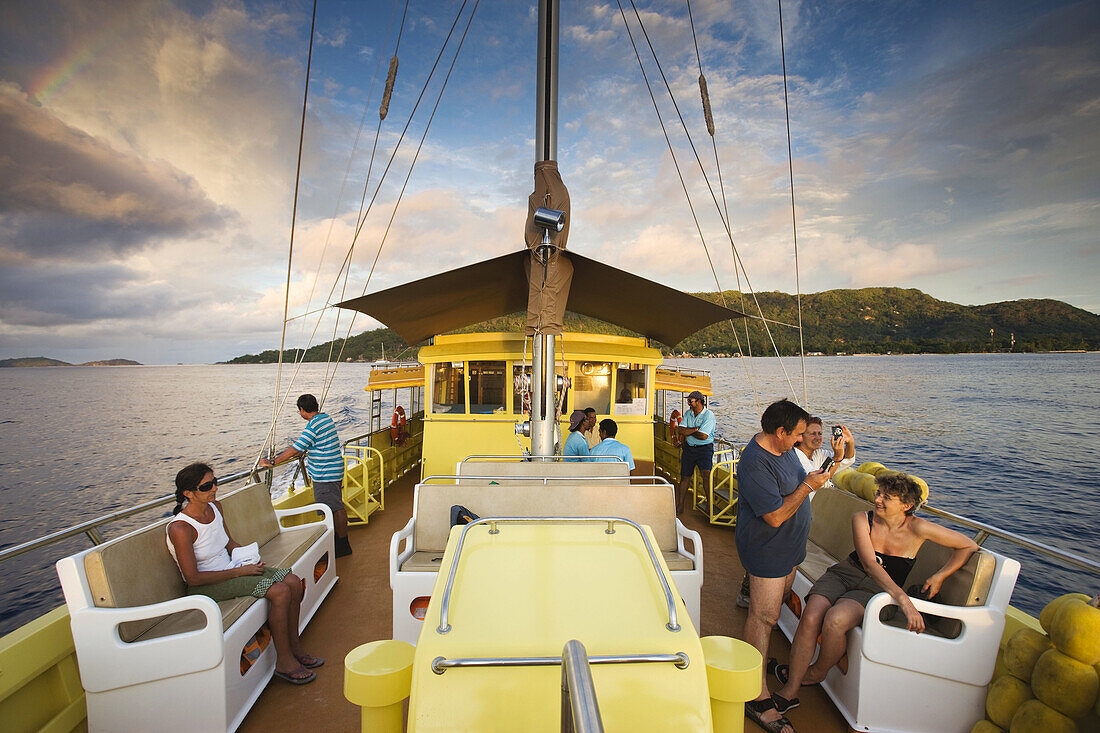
[
  {"x": 827, "y": 464},
  {"x": 838, "y": 432}
]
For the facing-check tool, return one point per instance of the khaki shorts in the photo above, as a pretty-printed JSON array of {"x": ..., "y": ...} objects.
[
  {"x": 330, "y": 493},
  {"x": 246, "y": 585},
  {"x": 846, "y": 579}
]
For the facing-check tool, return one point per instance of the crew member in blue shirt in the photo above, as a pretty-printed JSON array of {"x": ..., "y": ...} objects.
[
  {"x": 324, "y": 464},
  {"x": 576, "y": 445},
  {"x": 697, "y": 429},
  {"x": 608, "y": 446}
]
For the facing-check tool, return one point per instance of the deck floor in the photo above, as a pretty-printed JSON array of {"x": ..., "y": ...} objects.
[{"x": 358, "y": 611}]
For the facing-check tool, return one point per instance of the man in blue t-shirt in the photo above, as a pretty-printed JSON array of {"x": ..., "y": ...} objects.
[
  {"x": 324, "y": 464},
  {"x": 697, "y": 429},
  {"x": 609, "y": 446},
  {"x": 773, "y": 523},
  {"x": 576, "y": 447}
]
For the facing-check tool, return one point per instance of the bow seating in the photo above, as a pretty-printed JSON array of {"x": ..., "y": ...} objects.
[
  {"x": 895, "y": 680},
  {"x": 146, "y": 650}
]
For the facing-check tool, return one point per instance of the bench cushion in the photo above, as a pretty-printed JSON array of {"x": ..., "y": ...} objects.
[
  {"x": 137, "y": 570},
  {"x": 652, "y": 505}
]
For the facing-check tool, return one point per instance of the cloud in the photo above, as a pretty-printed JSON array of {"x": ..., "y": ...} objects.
[{"x": 92, "y": 196}]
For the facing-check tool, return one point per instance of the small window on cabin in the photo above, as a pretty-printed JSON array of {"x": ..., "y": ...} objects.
[
  {"x": 448, "y": 394},
  {"x": 630, "y": 398},
  {"x": 486, "y": 387},
  {"x": 521, "y": 389},
  {"x": 592, "y": 386}
]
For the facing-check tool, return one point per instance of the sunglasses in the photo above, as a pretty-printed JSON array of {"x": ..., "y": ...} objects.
[{"x": 207, "y": 486}]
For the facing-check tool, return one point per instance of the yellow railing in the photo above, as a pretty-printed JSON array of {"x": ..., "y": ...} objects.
[
  {"x": 719, "y": 501},
  {"x": 364, "y": 482}
]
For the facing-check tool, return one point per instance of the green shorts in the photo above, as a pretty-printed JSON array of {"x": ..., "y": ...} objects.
[
  {"x": 246, "y": 585},
  {"x": 846, "y": 580}
]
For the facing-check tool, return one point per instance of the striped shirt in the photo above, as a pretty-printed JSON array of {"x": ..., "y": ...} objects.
[{"x": 321, "y": 445}]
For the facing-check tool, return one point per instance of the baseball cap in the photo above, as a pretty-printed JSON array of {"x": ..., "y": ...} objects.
[{"x": 575, "y": 419}]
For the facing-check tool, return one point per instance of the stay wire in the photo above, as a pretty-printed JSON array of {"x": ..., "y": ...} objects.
[
  {"x": 706, "y": 179},
  {"x": 412, "y": 165},
  {"x": 746, "y": 361},
  {"x": 290, "y": 255},
  {"x": 794, "y": 223}
]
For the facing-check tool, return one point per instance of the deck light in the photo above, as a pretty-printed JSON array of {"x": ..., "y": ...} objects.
[{"x": 547, "y": 219}]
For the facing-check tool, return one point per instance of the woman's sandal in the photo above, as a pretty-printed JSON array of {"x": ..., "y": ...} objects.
[
  {"x": 755, "y": 710},
  {"x": 783, "y": 705},
  {"x": 295, "y": 677},
  {"x": 782, "y": 672},
  {"x": 309, "y": 661}
]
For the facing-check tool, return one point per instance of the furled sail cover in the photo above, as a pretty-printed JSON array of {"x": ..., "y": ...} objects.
[
  {"x": 549, "y": 283},
  {"x": 498, "y": 287}
]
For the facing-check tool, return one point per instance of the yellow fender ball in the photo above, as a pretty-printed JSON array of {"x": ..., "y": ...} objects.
[
  {"x": 887, "y": 472},
  {"x": 863, "y": 485},
  {"x": 923, "y": 486},
  {"x": 984, "y": 726},
  {"x": 1005, "y": 696},
  {"x": 842, "y": 477},
  {"x": 1035, "y": 717},
  {"x": 871, "y": 467},
  {"x": 1064, "y": 684},
  {"x": 1023, "y": 650},
  {"x": 1076, "y": 631},
  {"x": 1096, "y": 707},
  {"x": 1046, "y": 616}
]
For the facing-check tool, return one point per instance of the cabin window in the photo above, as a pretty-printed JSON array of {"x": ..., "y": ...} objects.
[
  {"x": 448, "y": 393},
  {"x": 521, "y": 381},
  {"x": 486, "y": 387},
  {"x": 630, "y": 391},
  {"x": 592, "y": 386}
]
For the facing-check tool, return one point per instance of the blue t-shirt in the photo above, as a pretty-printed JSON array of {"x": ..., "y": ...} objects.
[
  {"x": 575, "y": 445},
  {"x": 704, "y": 422},
  {"x": 763, "y": 480},
  {"x": 612, "y": 447},
  {"x": 321, "y": 445}
]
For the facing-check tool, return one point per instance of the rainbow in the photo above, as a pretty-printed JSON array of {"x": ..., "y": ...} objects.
[{"x": 53, "y": 77}]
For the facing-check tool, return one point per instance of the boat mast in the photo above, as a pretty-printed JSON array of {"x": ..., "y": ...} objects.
[{"x": 543, "y": 378}]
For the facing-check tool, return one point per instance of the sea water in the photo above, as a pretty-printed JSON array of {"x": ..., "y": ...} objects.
[{"x": 1001, "y": 438}]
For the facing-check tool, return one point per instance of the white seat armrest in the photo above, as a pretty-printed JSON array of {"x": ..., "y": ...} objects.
[
  {"x": 327, "y": 520},
  {"x": 397, "y": 557},
  {"x": 969, "y": 658},
  {"x": 107, "y": 662},
  {"x": 696, "y": 554}
]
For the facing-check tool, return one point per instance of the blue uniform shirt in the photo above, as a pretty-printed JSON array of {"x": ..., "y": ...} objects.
[
  {"x": 612, "y": 447},
  {"x": 763, "y": 480},
  {"x": 575, "y": 445},
  {"x": 321, "y": 445},
  {"x": 704, "y": 422}
]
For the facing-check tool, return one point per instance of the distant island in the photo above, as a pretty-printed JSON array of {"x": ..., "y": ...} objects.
[
  {"x": 42, "y": 361},
  {"x": 834, "y": 322}
]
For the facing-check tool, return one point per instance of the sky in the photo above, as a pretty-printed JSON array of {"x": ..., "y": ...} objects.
[{"x": 148, "y": 156}]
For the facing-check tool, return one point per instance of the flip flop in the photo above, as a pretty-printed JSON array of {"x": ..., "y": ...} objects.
[
  {"x": 289, "y": 677},
  {"x": 782, "y": 672},
  {"x": 783, "y": 705},
  {"x": 755, "y": 710},
  {"x": 309, "y": 661}
]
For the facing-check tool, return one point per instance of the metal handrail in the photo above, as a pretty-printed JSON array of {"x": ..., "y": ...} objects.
[
  {"x": 670, "y": 602},
  {"x": 522, "y": 458},
  {"x": 90, "y": 527},
  {"x": 987, "y": 530},
  {"x": 580, "y": 711},
  {"x": 657, "y": 480},
  {"x": 442, "y": 664}
]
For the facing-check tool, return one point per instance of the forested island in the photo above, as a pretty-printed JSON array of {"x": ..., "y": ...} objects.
[
  {"x": 42, "y": 361},
  {"x": 863, "y": 321}
]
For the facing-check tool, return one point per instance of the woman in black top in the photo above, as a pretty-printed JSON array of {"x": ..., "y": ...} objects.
[{"x": 886, "y": 540}]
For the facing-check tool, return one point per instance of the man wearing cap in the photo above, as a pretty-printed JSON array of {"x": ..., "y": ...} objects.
[
  {"x": 697, "y": 429},
  {"x": 609, "y": 446},
  {"x": 575, "y": 445}
]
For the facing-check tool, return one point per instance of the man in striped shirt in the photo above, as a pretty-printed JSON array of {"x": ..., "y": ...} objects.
[{"x": 324, "y": 464}]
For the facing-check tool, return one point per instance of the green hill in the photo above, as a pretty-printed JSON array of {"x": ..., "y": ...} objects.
[
  {"x": 32, "y": 361},
  {"x": 869, "y": 320}
]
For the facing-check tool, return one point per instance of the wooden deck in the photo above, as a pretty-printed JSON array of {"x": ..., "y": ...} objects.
[{"x": 358, "y": 611}]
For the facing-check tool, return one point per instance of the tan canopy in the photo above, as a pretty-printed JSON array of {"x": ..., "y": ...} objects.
[
  {"x": 549, "y": 282},
  {"x": 498, "y": 287}
]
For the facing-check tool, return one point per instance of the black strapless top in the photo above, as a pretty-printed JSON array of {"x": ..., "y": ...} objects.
[{"x": 896, "y": 566}]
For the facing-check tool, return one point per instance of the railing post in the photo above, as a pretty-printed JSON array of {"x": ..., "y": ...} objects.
[{"x": 580, "y": 712}]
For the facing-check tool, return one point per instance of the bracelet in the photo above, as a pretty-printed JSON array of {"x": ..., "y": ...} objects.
[{"x": 811, "y": 488}]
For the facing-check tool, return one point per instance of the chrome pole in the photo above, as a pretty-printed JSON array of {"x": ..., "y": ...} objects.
[
  {"x": 580, "y": 711},
  {"x": 544, "y": 396}
]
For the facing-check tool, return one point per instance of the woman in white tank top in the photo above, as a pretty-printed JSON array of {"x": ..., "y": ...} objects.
[{"x": 200, "y": 544}]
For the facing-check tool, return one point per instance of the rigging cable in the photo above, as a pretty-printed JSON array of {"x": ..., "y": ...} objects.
[
  {"x": 709, "y": 117},
  {"x": 290, "y": 257},
  {"x": 706, "y": 178},
  {"x": 416, "y": 156},
  {"x": 794, "y": 223}
]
